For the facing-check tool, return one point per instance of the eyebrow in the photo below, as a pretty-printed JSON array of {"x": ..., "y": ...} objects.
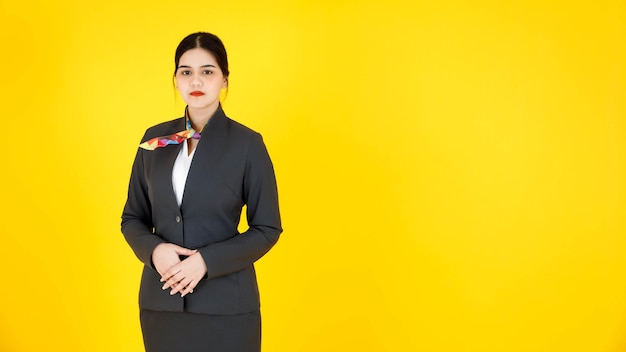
[{"x": 185, "y": 66}]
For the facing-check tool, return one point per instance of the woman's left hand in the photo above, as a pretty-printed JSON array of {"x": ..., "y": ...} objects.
[{"x": 183, "y": 277}]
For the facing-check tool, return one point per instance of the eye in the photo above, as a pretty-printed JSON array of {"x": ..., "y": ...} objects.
[
  {"x": 184, "y": 72},
  {"x": 207, "y": 72}
]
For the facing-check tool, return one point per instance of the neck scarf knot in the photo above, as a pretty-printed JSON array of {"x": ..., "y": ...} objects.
[{"x": 176, "y": 138}]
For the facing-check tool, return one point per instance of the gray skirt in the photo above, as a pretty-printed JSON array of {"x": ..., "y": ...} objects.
[{"x": 191, "y": 332}]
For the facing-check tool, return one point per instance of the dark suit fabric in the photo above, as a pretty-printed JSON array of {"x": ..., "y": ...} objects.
[
  {"x": 230, "y": 168},
  {"x": 190, "y": 332}
]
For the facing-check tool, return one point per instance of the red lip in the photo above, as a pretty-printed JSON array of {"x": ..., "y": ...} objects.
[{"x": 196, "y": 93}]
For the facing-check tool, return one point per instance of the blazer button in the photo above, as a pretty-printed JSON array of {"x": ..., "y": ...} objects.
[{"x": 177, "y": 218}]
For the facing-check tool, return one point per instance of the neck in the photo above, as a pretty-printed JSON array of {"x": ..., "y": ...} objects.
[{"x": 200, "y": 116}]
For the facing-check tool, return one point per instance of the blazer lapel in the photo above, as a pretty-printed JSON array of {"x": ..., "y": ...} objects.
[
  {"x": 207, "y": 154},
  {"x": 162, "y": 176}
]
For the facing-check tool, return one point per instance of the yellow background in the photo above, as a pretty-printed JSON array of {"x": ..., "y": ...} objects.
[{"x": 452, "y": 174}]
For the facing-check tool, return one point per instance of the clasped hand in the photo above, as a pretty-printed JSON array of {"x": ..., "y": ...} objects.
[{"x": 181, "y": 276}]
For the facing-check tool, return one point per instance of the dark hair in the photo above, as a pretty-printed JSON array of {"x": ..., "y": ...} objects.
[{"x": 207, "y": 41}]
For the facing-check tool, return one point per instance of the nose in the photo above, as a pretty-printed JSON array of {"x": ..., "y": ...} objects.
[{"x": 195, "y": 80}]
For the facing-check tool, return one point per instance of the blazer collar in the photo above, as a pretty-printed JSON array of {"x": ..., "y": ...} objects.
[
  {"x": 208, "y": 151},
  {"x": 216, "y": 121},
  {"x": 209, "y": 148}
]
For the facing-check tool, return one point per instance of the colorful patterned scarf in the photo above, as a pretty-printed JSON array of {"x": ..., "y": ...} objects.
[{"x": 176, "y": 138}]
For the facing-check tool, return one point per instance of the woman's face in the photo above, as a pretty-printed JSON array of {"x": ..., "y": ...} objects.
[{"x": 199, "y": 79}]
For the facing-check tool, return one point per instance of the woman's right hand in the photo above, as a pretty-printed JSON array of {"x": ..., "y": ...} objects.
[{"x": 166, "y": 255}]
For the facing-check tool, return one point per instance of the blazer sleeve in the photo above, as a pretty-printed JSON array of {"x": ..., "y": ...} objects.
[
  {"x": 261, "y": 198},
  {"x": 136, "y": 218}
]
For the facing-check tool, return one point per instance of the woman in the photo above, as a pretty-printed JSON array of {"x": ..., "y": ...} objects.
[{"x": 190, "y": 179}]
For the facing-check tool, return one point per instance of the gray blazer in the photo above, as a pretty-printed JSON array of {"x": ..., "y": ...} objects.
[{"x": 230, "y": 168}]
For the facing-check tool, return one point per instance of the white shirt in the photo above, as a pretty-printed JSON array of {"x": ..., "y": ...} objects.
[{"x": 181, "y": 170}]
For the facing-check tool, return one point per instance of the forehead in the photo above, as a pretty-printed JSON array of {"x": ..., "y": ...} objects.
[{"x": 197, "y": 57}]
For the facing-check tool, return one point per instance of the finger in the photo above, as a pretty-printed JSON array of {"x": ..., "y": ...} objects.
[
  {"x": 173, "y": 271},
  {"x": 184, "y": 251},
  {"x": 173, "y": 281},
  {"x": 164, "y": 264},
  {"x": 181, "y": 286},
  {"x": 188, "y": 289}
]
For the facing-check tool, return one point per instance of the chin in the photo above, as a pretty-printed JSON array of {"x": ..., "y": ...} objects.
[{"x": 202, "y": 105}]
